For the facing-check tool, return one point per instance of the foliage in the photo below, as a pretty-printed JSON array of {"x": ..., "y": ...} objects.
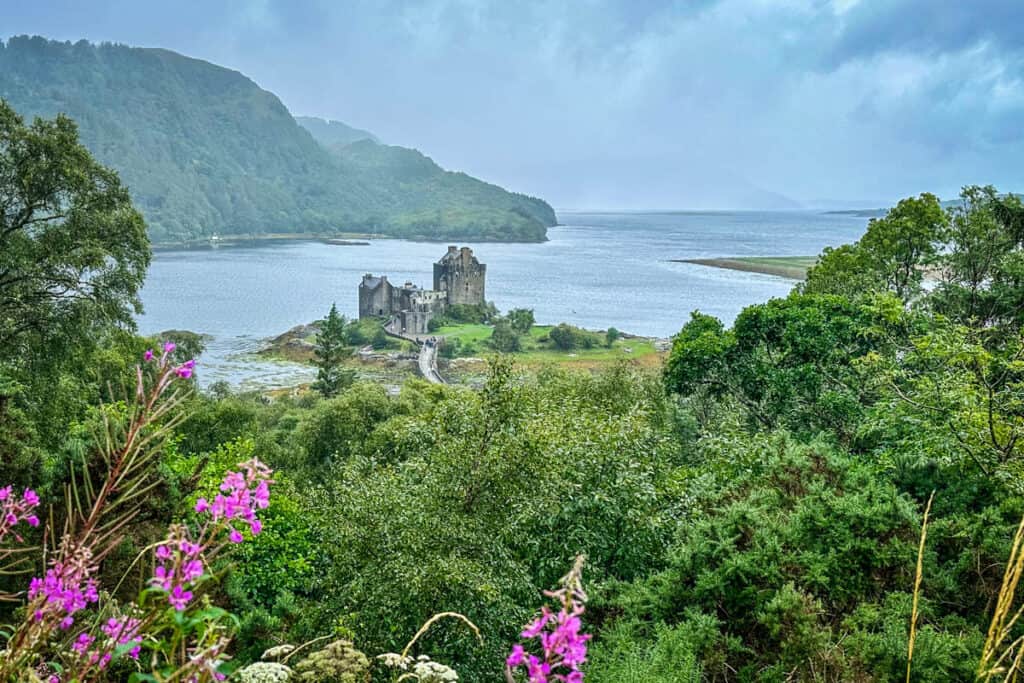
[
  {"x": 205, "y": 151},
  {"x": 58, "y": 636},
  {"x": 339, "y": 662},
  {"x": 504, "y": 337},
  {"x": 569, "y": 337},
  {"x": 788, "y": 362},
  {"x": 624, "y": 656},
  {"x": 521, "y": 319},
  {"x": 752, "y": 513},
  {"x": 73, "y": 250},
  {"x": 331, "y": 351}
]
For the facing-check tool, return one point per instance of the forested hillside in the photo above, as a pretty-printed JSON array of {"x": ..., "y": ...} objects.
[{"x": 203, "y": 151}]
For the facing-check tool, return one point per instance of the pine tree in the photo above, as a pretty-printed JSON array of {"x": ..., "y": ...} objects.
[{"x": 331, "y": 351}]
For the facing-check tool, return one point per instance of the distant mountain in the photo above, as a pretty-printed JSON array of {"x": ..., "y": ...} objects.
[
  {"x": 330, "y": 133},
  {"x": 205, "y": 151},
  {"x": 879, "y": 212}
]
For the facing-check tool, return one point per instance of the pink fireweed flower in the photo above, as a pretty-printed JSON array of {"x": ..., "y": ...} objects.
[
  {"x": 243, "y": 493},
  {"x": 122, "y": 631},
  {"x": 67, "y": 588},
  {"x": 83, "y": 643},
  {"x": 562, "y": 644},
  {"x": 169, "y": 347},
  {"x": 179, "y": 598},
  {"x": 182, "y": 561},
  {"x": 516, "y": 657},
  {"x": 148, "y": 355},
  {"x": 15, "y": 510},
  {"x": 178, "y": 566},
  {"x": 185, "y": 370}
]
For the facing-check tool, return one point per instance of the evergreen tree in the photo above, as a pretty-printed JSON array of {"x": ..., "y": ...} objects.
[{"x": 331, "y": 351}]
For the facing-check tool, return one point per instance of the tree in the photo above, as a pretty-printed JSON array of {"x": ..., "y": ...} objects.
[
  {"x": 790, "y": 362},
  {"x": 331, "y": 352},
  {"x": 504, "y": 337},
  {"x": 893, "y": 255},
  {"x": 611, "y": 336},
  {"x": 906, "y": 241},
  {"x": 521, "y": 319},
  {"x": 73, "y": 249},
  {"x": 983, "y": 276},
  {"x": 563, "y": 337}
]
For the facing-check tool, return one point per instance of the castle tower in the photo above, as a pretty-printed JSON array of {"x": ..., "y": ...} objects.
[
  {"x": 375, "y": 297},
  {"x": 460, "y": 277}
]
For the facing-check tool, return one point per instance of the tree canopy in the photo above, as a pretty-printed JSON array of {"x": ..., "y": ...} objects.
[{"x": 73, "y": 249}]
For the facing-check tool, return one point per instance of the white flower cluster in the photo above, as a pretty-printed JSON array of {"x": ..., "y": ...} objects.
[
  {"x": 423, "y": 669},
  {"x": 427, "y": 671},
  {"x": 265, "y": 672}
]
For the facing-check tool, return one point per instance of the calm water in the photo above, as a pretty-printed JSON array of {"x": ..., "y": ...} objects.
[{"x": 597, "y": 270}]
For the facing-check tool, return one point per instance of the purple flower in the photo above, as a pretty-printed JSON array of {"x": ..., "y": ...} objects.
[
  {"x": 148, "y": 355},
  {"x": 179, "y": 598},
  {"x": 192, "y": 570},
  {"x": 169, "y": 347},
  {"x": 83, "y": 643},
  {"x": 124, "y": 632},
  {"x": 185, "y": 369},
  {"x": 66, "y": 589},
  {"x": 563, "y": 646},
  {"x": 515, "y": 658},
  {"x": 30, "y": 497}
]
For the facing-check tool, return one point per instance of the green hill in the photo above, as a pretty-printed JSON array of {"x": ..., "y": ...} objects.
[{"x": 205, "y": 151}]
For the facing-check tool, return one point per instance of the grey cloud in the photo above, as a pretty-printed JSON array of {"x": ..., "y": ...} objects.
[
  {"x": 928, "y": 27},
  {"x": 628, "y": 103}
]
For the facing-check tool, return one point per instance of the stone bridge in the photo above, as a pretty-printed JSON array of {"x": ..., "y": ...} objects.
[{"x": 428, "y": 350}]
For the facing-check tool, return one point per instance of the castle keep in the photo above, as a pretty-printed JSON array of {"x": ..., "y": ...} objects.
[{"x": 458, "y": 279}]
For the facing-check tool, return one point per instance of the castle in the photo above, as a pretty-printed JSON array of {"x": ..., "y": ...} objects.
[{"x": 458, "y": 279}]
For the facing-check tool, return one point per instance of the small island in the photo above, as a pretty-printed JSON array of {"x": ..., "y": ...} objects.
[
  {"x": 446, "y": 333},
  {"x": 790, "y": 267}
]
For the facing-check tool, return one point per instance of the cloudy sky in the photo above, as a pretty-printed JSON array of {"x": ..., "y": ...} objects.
[{"x": 630, "y": 104}]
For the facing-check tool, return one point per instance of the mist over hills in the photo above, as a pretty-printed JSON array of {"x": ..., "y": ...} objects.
[
  {"x": 331, "y": 133},
  {"x": 204, "y": 151}
]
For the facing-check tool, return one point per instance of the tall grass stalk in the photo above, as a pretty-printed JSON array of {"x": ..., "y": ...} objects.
[
  {"x": 917, "y": 584},
  {"x": 1001, "y": 660}
]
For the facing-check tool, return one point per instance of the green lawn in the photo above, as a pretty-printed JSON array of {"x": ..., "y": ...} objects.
[{"x": 535, "y": 351}]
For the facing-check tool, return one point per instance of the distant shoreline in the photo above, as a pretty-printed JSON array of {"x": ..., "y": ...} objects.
[
  {"x": 789, "y": 267},
  {"x": 326, "y": 238}
]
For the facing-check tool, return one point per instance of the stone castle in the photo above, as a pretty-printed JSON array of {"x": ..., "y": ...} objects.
[{"x": 458, "y": 279}]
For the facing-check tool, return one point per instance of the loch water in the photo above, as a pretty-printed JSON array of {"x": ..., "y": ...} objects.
[{"x": 596, "y": 270}]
